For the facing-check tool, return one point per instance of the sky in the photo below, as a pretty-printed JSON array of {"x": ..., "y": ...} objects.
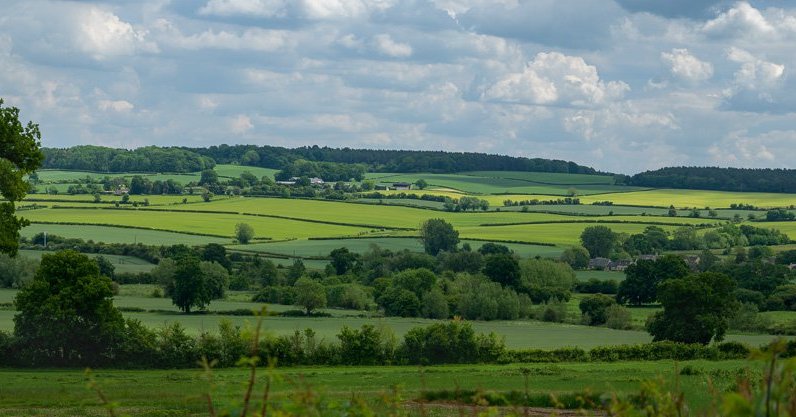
[{"x": 620, "y": 85}]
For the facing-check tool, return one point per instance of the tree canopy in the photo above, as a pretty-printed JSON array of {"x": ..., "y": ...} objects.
[
  {"x": 438, "y": 235},
  {"x": 66, "y": 314},
  {"x": 19, "y": 156}
]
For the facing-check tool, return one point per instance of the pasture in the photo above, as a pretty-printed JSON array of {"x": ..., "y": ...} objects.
[
  {"x": 694, "y": 198},
  {"x": 121, "y": 263},
  {"x": 179, "y": 392},
  {"x": 556, "y": 184},
  {"x": 321, "y": 248},
  {"x": 564, "y": 234},
  {"x": 110, "y": 234}
]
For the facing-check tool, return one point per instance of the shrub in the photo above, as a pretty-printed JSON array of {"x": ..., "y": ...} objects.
[
  {"x": 594, "y": 306},
  {"x": 554, "y": 311},
  {"x": 452, "y": 342},
  {"x": 618, "y": 317}
]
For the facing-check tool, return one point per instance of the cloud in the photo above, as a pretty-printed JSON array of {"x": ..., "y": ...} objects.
[
  {"x": 672, "y": 8},
  {"x": 555, "y": 78},
  {"x": 686, "y": 66},
  {"x": 256, "y": 8},
  {"x": 254, "y": 39},
  {"x": 102, "y": 35},
  {"x": 120, "y": 106},
  {"x": 240, "y": 124},
  {"x": 387, "y": 46}
]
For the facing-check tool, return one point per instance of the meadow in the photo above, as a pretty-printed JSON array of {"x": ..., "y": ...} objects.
[
  {"x": 179, "y": 392},
  {"x": 121, "y": 263},
  {"x": 110, "y": 234},
  {"x": 694, "y": 198},
  {"x": 510, "y": 183}
]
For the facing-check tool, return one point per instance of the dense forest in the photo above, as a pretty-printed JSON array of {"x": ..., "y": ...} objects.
[
  {"x": 388, "y": 160},
  {"x": 147, "y": 159},
  {"x": 720, "y": 179}
]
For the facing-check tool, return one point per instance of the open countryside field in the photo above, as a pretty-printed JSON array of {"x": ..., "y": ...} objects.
[
  {"x": 321, "y": 248},
  {"x": 121, "y": 263},
  {"x": 110, "y": 234},
  {"x": 68, "y": 200},
  {"x": 178, "y": 392},
  {"x": 694, "y": 198},
  {"x": 403, "y": 217},
  {"x": 566, "y": 234},
  {"x": 220, "y": 225},
  {"x": 502, "y": 185},
  {"x": 546, "y": 177}
]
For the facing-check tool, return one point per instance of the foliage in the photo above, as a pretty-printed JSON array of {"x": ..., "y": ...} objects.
[
  {"x": 594, "y": 308},
  {"x": 66, "y": 315},
  {"x": 451, "y": 342},
  {"x": 192, "y": 283},
  {"x": 576, "y": 256},
  {"x": 145, "y": 159},
  {"x": 19, "y": 156},
  {"x": 504, "y": 269},
  {"x": 696, "y": 308},
  {"x": 722, "y": 179},
  {"x": 642, "y": 278},
  {"x": 244, "y": 232},
  {"x": 342, "y": 260},
  {"x": 598, "y": 240},
  {"x": 547, "y": 273},
  {"x": 438, "y": 235},
  {"x": 17, "y": 271},
  {"x": 310, "y": 294},
  {"x": 617, "y": 317}
]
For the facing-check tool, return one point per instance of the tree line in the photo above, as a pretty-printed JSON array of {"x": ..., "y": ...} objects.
[
  {"x": 720, "y": 179},
  {"x": 146, "y": 159}
]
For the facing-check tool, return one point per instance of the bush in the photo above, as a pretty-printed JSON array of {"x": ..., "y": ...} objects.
[
  {"x": 618, "y": 317},
  {"x": 554, "y": 311},
  {"x": 452, "y": 342},
  {"x": 594, "y": 306}
]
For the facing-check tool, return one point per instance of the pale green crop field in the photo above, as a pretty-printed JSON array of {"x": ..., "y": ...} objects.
[
  {"x": 75, "y": 200},
  {"x": 789, "y": 228},
  {"x": 207, "y": 223},
  {"x": 234, "y": 171},
  {"x": 694, "y": 198},
  {"x": 499, "y": 185},
  {"x": 394, "y": 216},
  {"x": 546, "y": 177},
  {"x": 121, "y": 263},
  {"x": 556, "y": 233},
  {"x": 110, "y": 234},
  {"x": 312, "y": 248}
]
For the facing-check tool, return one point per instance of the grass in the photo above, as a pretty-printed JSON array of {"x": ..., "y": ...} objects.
[
  {"x": 694, "y": 198},
  {"x": 312, "y": 248},
  {"x": 558, "y": 234},
  {"x": 178, "y": 392},
  {"x": 121, "y": 263},
  {"x": 206, "y": 223},
  {"x": 586, "y": 275},
  {"x": 475, "y": 184},
  {"x": 109, "y": 234},
  {"x": 105, "y": 199},
  {"x": 546, "y": 177},
  {"x": 234, "y": 171}
]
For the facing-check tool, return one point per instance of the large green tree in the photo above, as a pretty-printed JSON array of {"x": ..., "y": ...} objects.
[
  {"x": 66, "y": 314},
  {"x": 438, "y": 235},
  {"x": 310, "y": 294},
  {"x": 696, "y": 308},
  {"x": 640, "y": 285},
  {"x": 598, "y": 240},
  {"x": 19, "y": 156}
]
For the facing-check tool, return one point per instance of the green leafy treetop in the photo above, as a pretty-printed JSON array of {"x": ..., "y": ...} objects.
[
  {"x": 19, "y": 156},
  {"x": 66, "y": 314}
]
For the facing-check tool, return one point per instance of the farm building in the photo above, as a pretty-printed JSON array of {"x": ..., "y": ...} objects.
[
  {"x": 402, "y": 186},
  {"x": 599, "y": 263}
]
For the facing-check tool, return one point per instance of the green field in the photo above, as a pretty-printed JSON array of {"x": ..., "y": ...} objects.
[
  {"x": 205, "y": 223},
  {"x": 178, "y": 392},
  {"x": 321, "y": 248},
  {"x": 586, "y": 275},
  {"x": 546, "y": 177},
  {"x": 694, "y": 198},
  {"x": 234, "y": 171},
  {"x": 121, "y": 263},
  {"x": 557, "y": 184},
  {"x": 109, "y": 234},
  {"x": 566, "y": 234}
]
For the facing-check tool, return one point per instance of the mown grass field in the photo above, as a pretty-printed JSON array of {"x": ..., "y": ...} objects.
[
  {"x": 511, "y": 183},
  {"x": 179, "y": 392},
  {"x": 110, "y": 234},
  {"x": 546, "y": 177},
  {"x": 564, "y": 234},
  {"x": 121, "y": 263},
  {"x": 312, "y": 248},
  {"x": 694, "y": 198},
  {"x": 203, "y": 223}
]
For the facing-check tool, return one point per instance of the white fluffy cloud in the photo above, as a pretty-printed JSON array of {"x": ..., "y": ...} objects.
[
  {"x": 555, "y": 78},
  {"x": 387, "y": 46},
  {"x": 104, "y": 35},
  {"x": 686, "y": 66}
]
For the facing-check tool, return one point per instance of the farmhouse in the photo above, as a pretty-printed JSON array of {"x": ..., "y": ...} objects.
[
  {"x": 620, "y": 265},
  {"x": 599, "y": 263},
  {"x": 402, "y": 186}
]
